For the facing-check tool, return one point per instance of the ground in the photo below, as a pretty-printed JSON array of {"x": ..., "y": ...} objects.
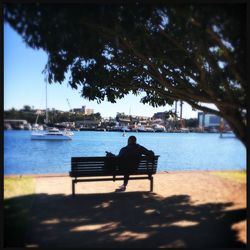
[{"x": 185, "y": 209}]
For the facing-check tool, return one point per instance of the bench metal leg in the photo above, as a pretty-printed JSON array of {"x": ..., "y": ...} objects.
[
  {"x": 73, "y": 187},
  {"x": 151, "y": 183}
]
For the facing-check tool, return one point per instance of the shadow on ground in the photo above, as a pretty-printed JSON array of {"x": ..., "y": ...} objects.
[{"x": 131, "y": 219}]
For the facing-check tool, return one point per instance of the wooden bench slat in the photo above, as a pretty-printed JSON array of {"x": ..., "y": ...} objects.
[
  {"x": 94, "y": 174},
  {"x": 89, "y": 164}
]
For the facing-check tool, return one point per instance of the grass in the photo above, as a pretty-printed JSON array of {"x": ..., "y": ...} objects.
[
  {"x": 16, "y": 186},
  {"x": 238, "y": 176},
  {"x": 17, "y": 204}
]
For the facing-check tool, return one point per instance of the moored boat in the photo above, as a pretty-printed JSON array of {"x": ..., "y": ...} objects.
[
  {"x": 52, "y": 134},
  {"x": 159, "y": 128}
]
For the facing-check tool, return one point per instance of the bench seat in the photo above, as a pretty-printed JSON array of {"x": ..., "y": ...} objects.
[{"x": 84, "y": 167}]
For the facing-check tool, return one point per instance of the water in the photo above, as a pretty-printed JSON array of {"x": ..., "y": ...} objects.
[{"x": 178, "y": 151}]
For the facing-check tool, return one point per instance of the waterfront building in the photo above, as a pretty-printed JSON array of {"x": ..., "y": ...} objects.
[
  {"x": 67, "y": 124},
  {"x": 84, "y": 110},
  {"x": 143, "y": 118},
  {"x": 123, "y": 121},
  {"x": 158, "y": 121},
  {"x": 79, "y": 110},
  {"x": 28, "y": 126},
  {"x": 89, "y": 111},
  {"x": 122, "y": 124},
  {"x": 87, "y": 124},
  {"x": 7, "y": 126},
  {"x": 210, "y": 122},
  {"x": 15, "y": 123}
]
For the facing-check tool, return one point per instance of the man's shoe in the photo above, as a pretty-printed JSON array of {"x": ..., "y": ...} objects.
[{"x": 122, "y": 188}]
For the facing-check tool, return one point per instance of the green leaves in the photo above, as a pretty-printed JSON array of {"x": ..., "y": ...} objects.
[{"x": 113, "y": 49}]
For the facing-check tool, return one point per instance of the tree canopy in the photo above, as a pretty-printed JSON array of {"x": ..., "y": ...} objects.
[{"x": 190, "y": 52}]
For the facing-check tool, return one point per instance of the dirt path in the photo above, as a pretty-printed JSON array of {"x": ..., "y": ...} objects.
[{"x": 186, "y": 209}]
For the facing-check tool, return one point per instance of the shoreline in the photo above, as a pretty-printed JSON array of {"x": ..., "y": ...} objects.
[{"x": 158, "y": 172}]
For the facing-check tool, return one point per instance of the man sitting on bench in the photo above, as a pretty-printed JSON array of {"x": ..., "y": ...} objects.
[{"x": 130, "y": 158}]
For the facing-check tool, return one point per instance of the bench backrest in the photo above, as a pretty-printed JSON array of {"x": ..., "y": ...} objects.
[{"x": 100, "y": 166}]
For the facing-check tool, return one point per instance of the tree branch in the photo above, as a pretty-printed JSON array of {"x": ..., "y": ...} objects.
[{"x": 218, "y": 41}]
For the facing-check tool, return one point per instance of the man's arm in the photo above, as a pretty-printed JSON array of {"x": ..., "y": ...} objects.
[
  {"x": 122, "y": 151},
  {"x": 146, "y": 151}
]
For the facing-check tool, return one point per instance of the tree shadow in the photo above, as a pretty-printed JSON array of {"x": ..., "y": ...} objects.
[{"x": 130, "y": 219}]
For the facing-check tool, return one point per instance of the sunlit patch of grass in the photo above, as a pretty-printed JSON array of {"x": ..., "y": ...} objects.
[
  {"x": 238, "y": 176},
  {"x": 16, "y": 186},
  {"x": 18, "y": 198}
]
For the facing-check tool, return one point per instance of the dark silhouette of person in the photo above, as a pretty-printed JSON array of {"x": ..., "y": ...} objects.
[{"x": 130, "y": 158}]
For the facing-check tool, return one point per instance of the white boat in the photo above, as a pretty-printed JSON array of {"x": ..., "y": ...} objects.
[
  {"x": 184, "y": 130},
  {"x": 68, "y": 132},
  {"x": 37, "y": 127},
  {"x": 159, "y": 128},
  {"x": 141, "y": 128},
  {"x": 125, "y": 129},
  {"x": 27, "y": 127},
  {"x": 149, "y": 129},
  {"x": 52, "y": 134},
  {"x": 7, "y": 126}
]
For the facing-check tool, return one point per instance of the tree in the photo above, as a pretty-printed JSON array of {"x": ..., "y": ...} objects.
[
  {"x": 20, "y": 114},
  {"x": 26, "y": 108},
  {"x": 121, "y": 115},
  {"x": 189, "y": 52}
]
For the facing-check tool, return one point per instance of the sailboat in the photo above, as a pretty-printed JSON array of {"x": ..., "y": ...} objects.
[{"x": 51, "y": 133}]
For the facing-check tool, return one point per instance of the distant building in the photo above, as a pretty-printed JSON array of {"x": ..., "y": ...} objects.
[
  {"x": 66, "y": 124},
  {"x": 88, "y": 111},
  {"x": 15, "y": 121},
  {"x": 209, "y": 121},
  {"x": 79, "y": 110},
  {"x": 143, "y": 118},
  {"x": 159, "y": 121},
  {"x": 84, "y": 110},
  {"x": 87, "y": 124},
  {"x": 123, "y": 121}
]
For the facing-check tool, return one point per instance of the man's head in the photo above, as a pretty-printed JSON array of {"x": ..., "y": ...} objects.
[{"x": 131, "y": 140}]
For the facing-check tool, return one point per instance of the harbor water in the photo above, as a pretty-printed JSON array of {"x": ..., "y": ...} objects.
[{"x": 177, "y": 151}]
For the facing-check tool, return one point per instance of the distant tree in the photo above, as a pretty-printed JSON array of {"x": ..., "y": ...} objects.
[
  {"x": 26, "y": 108},
  {"x": 20, "y": 114},
  {"x": 189, "y": 52},
  {"x": 98, "y": 116},
  {"x": 121, "y": 115},
  {"x": 165, "y": 115}
]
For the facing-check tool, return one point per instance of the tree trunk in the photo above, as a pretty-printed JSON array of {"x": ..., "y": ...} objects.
[{"x": 236, "y": 123}]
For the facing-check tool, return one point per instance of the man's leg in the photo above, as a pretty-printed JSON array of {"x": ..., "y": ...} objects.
[
  {"x": 126, "y": 178},
  {"x": 125, "y": 183}
]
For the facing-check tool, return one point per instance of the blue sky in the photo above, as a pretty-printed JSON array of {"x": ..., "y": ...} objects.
[{"x": 24, "y": 84}]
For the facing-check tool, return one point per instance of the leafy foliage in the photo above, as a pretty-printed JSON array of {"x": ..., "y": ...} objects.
[{"x": 189, "y": 52}]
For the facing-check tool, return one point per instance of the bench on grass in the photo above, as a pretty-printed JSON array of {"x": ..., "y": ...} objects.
[{"x": 83, "y": 169}]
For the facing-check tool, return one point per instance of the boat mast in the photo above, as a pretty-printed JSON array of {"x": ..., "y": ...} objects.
[
  {"x": 175, "y": 114},
  {"x": 46, "y": 119},
  {"x": 181, "y": 121}
]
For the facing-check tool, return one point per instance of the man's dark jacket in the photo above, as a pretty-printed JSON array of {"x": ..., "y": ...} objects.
[{"x": 129, "y": 157}]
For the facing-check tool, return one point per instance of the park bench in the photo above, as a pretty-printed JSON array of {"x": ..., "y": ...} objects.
[{"x": 83, "y": 169}]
